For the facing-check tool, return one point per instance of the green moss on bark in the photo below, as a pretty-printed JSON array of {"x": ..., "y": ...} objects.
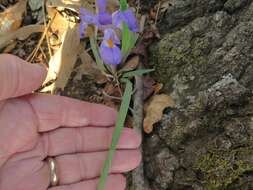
[{"x": 221, "y": 168}]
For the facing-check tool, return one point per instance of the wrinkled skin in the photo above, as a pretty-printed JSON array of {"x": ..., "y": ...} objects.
[{"x": 35, "y": 126}]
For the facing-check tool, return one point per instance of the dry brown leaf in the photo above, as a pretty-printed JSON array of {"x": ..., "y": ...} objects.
[
  {"x": 112, "y": 90},
  {"x": 10, "y": 47},
  {"x": 154, "y": 110},
  {"x": 73, "y": 5},
  {"x": 90, "y": 68},
  {"x": 131, "y": 64},
  {"x": 158, "y": 87},
  {"x": 110, "y": 103},
  {"x": 20, "y": 34},
  {"x": 129, "y": 122},
  {"x": 148, "y": 86},
  {"x": 63, "y": 61},
  {"x": 59, "y": 24},
  {"x": 64, "y": 4},
  {"x": 11, "y": 18},
  {"x": 4, "y": 1}
]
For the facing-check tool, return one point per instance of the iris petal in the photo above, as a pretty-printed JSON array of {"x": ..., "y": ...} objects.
[
  {"x": 111, "y": 56},
  {"x": 101, "y": 4},
  {"x": 105, "y": 18},
  {"x": 117, "y": 19},
  {"x": 111, "y": 34},
  {"x": 88, "y": 17},
  {"x": 125, "y": 16},
  {"x": 131, "y": 20}
]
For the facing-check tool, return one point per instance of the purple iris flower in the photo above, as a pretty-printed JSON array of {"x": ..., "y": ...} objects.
[
  {"x": 109, "y": 51},
  {"x": 100, "y": 19},
  {"x": 105, "y": 18},
  {"x": 87, "y": 18},
  {"x": 126, "y": 16}
]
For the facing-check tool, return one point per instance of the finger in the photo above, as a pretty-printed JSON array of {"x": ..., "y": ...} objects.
[
  {"x": 87, "y": 139},
  {"x": 17, "y": 77},
  {"x": 116, "y": 182},
  {"x": 55, "y": 111},
  {"x": 25, "y": 174},
  {"x": 77, "y": 167}
]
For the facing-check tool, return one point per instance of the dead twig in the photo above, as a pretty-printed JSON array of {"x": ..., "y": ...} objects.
[
  {"x": 2, "y": 7},
  {"x": 34, "y": 52},
  {"x": 45, "y": 24},
  {"x": 111, "y": 97},
  {"x": 157, "y": 12},
  {"x": 138, "y": 181},
  {"x": 44, "y": 55}
]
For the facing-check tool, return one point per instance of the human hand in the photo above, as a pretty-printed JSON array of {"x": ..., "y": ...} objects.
[{"x": 36, "y": 126}]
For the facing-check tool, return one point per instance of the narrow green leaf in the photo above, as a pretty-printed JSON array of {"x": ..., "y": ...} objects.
[
  {"x": 128, "y": 40},
  {"x": 123, "y": 5},
  {"x": 116, "y": 133},
  {"x": 125, "y": 39},
  {"x": 95, "y": 52},
  {"x": 139, "y": 72}
]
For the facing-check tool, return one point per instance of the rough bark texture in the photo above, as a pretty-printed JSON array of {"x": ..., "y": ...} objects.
[{"x": 205, "y": 61}]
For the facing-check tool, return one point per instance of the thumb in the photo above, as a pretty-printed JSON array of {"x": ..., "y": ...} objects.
[{"x": 18, "y": 77}]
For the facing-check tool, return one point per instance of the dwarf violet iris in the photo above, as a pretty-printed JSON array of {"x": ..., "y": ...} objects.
[
  {"x": 100, "y": 19},
  {"x": 109, "y": 51},
  {"x": 86, "y": 18},
  {"x": 104, "y": 18},
  {"x": 126, "y": 16}
]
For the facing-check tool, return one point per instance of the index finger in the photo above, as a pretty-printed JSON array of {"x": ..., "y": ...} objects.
[
  {"x": 55, "y": 111},
  {"x": 18, "y": 77}
]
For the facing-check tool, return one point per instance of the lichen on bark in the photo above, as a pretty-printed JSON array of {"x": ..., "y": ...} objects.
[{"x": 205, "y": 61}]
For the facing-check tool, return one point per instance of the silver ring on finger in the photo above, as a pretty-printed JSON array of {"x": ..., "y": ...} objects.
[{"x": 54, "y": 179}]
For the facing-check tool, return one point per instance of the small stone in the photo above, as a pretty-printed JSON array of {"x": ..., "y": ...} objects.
[{"x": 161, "y": 168}]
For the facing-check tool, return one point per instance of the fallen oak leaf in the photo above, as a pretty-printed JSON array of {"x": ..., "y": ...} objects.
[
  {"x": 20, "y": 34},
  {"x": 11, "y": 18},
  {"x": 154, "y": 110}
]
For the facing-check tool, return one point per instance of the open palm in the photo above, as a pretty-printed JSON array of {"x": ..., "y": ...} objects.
[{"x": 77, "y": 134}]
